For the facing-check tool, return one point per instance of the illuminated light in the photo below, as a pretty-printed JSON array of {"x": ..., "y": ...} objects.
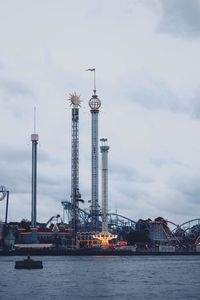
[{"x": 104, "y": 238}]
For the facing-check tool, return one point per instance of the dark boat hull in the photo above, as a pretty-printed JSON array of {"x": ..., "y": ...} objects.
[{"x": 28, "y": 264}]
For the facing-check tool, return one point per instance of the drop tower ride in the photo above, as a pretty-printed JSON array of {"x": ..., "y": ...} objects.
[
  {"x": 75, "y": 194},
  {"x": 104, "y": 236},
  {"x": 94, "y": 104},
  {"x": 34, "y": 140}
]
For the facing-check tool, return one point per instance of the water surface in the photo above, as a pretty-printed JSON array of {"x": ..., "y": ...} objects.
[{"x": 70, "y": 278}]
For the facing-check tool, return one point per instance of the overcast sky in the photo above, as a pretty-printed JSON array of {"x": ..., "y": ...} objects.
[{"x": 146, "y": 55}]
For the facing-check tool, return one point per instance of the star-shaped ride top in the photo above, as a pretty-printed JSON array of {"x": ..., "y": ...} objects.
[{"x": 74, "y": 100}]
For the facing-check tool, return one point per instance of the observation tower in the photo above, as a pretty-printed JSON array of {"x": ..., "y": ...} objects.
[
  {"x": 34, "y": 140},
  {"x": 75, "y": 194},
  {"x": 94, "y": 104},
  {"x": 104, "y": 236}
]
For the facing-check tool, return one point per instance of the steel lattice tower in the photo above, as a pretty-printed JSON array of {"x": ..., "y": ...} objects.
[
  {"x": 75, "y": 194},
  {"x": 94, "y": 104}
]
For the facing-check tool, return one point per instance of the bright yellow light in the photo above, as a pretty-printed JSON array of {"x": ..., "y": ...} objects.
[{"x": 105, "y": 237}]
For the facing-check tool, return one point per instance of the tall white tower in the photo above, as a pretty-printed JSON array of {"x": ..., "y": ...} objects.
[
  {"x": 104, "y": 150},
  {"x": 104, "y": 236},
  {"x": 34, "y": 140},
  {"x": 94, "y": 104}
]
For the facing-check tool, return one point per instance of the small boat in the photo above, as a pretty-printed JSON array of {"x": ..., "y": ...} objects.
[{"x": 28, "y": 264}]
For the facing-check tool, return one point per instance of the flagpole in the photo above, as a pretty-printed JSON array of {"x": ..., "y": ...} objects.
[
  {"x": 93, "y": 70},
  {"x": 94, "y": 81}
]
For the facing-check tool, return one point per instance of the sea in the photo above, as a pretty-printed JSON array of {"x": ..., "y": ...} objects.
[{"x": 102, "y": 277}]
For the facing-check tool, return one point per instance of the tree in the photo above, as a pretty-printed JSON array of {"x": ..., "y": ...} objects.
[
  {"x": 137, "y": 237},
  {"x": 25, "y": 224}
]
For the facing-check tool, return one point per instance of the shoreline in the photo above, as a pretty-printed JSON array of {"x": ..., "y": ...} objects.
[{"x": 91, "y": 252}]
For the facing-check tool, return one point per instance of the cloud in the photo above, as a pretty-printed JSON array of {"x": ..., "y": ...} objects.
[
  {"x": 14, "y": 87},
  {"x": 15, "y": 96},
  {"x": 181, "y": 18},
  {"x": 156, "y": 95},
  {"x": 148, "y": 83},
  {"x": 188, "y": 186},
  {"x": 160, "y": 161},
  {"x": 195, "y": 105},
  {"x": 2, "y": 65},
  {"x": 127, "y": 173}
]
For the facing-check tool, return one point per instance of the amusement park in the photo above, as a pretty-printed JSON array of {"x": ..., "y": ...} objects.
[{"x": 77, "y": 229}]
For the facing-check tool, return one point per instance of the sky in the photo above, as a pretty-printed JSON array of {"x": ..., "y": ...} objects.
[{"x": 146, "y": 55}]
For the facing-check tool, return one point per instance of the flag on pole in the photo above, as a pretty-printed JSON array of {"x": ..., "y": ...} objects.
[{"x": 90, "y": 70}]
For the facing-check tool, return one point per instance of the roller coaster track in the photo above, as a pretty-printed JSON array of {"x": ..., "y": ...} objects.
[
  {"x": 185, "y": 223},
  {"x": 116, "y": 220}
]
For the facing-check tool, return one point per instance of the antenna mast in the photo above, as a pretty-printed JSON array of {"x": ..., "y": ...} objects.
[{"x": 34, "y": 121}]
